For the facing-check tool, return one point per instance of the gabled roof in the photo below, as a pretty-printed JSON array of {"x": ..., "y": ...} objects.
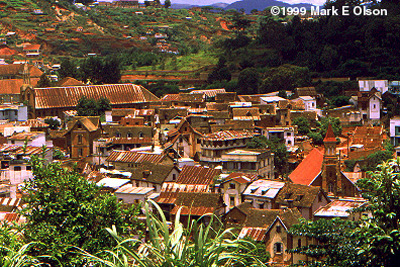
[
  {"x": 91, "y": 123},
  {"x": 60, "y": 97},
  {"x": 308, "y": 169},
  {"x": 302, "y": 195},
  {"x": 330, "y": 136},
  {"x": 17, "y": 69},
  {"x": 197, "y": 175},
  {"x": 13, "y": 86},
  {"x": 209, "y": 92},
  {"x": 241, "y": 178},
  {"x": 259, "y": 221},
  {"x": 68, "y": 81},
  {"x": 150, "y": 172}
]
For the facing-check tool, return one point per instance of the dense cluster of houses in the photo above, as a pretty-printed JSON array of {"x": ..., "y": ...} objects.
[{"x": 189, "y": 151}]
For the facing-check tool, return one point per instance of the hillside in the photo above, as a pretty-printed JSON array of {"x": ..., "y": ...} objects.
[{"x": 64, "y": 30}]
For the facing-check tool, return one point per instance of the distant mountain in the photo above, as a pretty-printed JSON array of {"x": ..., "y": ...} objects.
[
  {"x": 260, "y": 5},
  {"x": 188, "y": 6}
]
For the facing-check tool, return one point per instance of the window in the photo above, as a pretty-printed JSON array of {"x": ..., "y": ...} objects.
[
  {"x": 278, "y": 228},
  {"x": 319, "y": 197},
  {"x": 231, "y": 201},
  {"x": 330, "y": 187},
  {"x": 17, "y": 168},
  {"x": 117, "y": 134},
  {"x": 141, "y": 134},
  {"x": 79, "y": 139},
  {"x": 299, "y": 243},
  {"x": 261, "y": 206},
  {"x": 232, "y": 186},
  {"x": 28, "y": 168},
  {"x": 129, "y": 135},
  {"x": 173, "y": 177},
  {"x": 278, "y": 248},
  {"x": 80, "y": 152}
]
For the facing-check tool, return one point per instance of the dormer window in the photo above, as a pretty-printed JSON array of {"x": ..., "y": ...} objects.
[
  {"x": 232, "y": 186},
  {"x": 129, "y": 135},
  {"x": 117, "y": 134},
  {"x": 140, "y": 135},
  {"x": 299, "y": 197}
]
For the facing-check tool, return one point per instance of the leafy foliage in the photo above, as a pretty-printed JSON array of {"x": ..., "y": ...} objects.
[
  {"x": 44, "y": 81},
  {"x": 303, "y": 125},
  {"x": 53, "y": 123},
  {"x": 66, "y": 210},
  {"x": 91, "y": 107}
]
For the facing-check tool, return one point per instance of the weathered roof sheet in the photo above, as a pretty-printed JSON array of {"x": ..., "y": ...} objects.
[
  {"x": 134, "y": 157},
  {"x": 340, "y": 207},
  {"x": 112, "y": 182},
  {"x": 130, "y": 189},
  {"x": 209, "y": 92},
  {"x": 69, "y": 96},
  {"x": 197, "y": 175}
]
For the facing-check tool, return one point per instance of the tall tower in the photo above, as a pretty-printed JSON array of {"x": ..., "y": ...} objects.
[
  {"x": 331, "y": 177},
  {"x": 26, "y": 75}
]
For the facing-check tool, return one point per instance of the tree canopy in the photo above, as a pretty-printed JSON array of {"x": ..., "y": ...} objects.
[{"x": 92, "y": 107}]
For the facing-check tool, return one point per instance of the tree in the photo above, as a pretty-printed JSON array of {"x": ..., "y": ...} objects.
[
  {"x": 285, "y": 77},
  {"x": 248, "y": 81},
  {"x": 68, "y": 69},
  {"x": 167, "y": 3},
  {"x": 65, "y": 210},
  {"x": 53, "y": 123},
  {"x": 339, "y": 101},
  {"x": 303, "y": 125},
  {"x": 91, "y": 107},
  {"x": 44, "y": 81},
  {"x": 220, "y": 72}
]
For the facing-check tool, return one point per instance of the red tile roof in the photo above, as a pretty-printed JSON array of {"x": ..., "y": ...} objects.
[
  {"x": 17, "y": 69},
  {"x": 68, "y": 81},
  {"x": 69, "y": 96},
  {"x": 308, "y": 169},
  {"x": 13, "y": 86},
  {"x": 197, "y": 175},
  {"x": 170, "y": 97},
  {"x": 330, "y": 136}
]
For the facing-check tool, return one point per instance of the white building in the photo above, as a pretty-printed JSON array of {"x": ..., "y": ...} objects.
[
  {"x": 380, "y": 85},
  {"x": 310, "y": 103},
  {"x": 261, "y": 193},
  {"x": 394, "y": 132},
  {"x": 284, "y": 133}
]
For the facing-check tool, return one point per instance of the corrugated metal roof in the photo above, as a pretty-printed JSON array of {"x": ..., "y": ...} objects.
[
  {"x": 340, "y": 207},
  {"x": 264, "y": 188},
  {"x": 69, "y": 96},
  {"x": 197, "y": 175},
  {"x": 17, "y": 150},
  {"x": 130, "y": 189},
  {"x": 256, "y": 233},
  {"x": 134, "y": 157}
]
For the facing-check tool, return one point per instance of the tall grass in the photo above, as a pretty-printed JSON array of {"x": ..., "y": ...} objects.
[{"x": 197, "y": 245}]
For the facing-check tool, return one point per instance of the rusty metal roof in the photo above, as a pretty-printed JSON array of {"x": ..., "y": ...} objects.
[
  {"x": 171, "y": 97},
  {"x": 25, "y": 136},
  {"x": 228, "y": 135},
  {"x": 35, "y": 123},
  {"x": 256, "y": 233},
  {"x": 170, "y": 190},
  {"x": 134, "y": 157},
  {"x": 197, "y": 175},
  {"x": 69, "y": 96},
  {"x": 18, "y": 150},
  {"x": 340, "y": 207}
]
